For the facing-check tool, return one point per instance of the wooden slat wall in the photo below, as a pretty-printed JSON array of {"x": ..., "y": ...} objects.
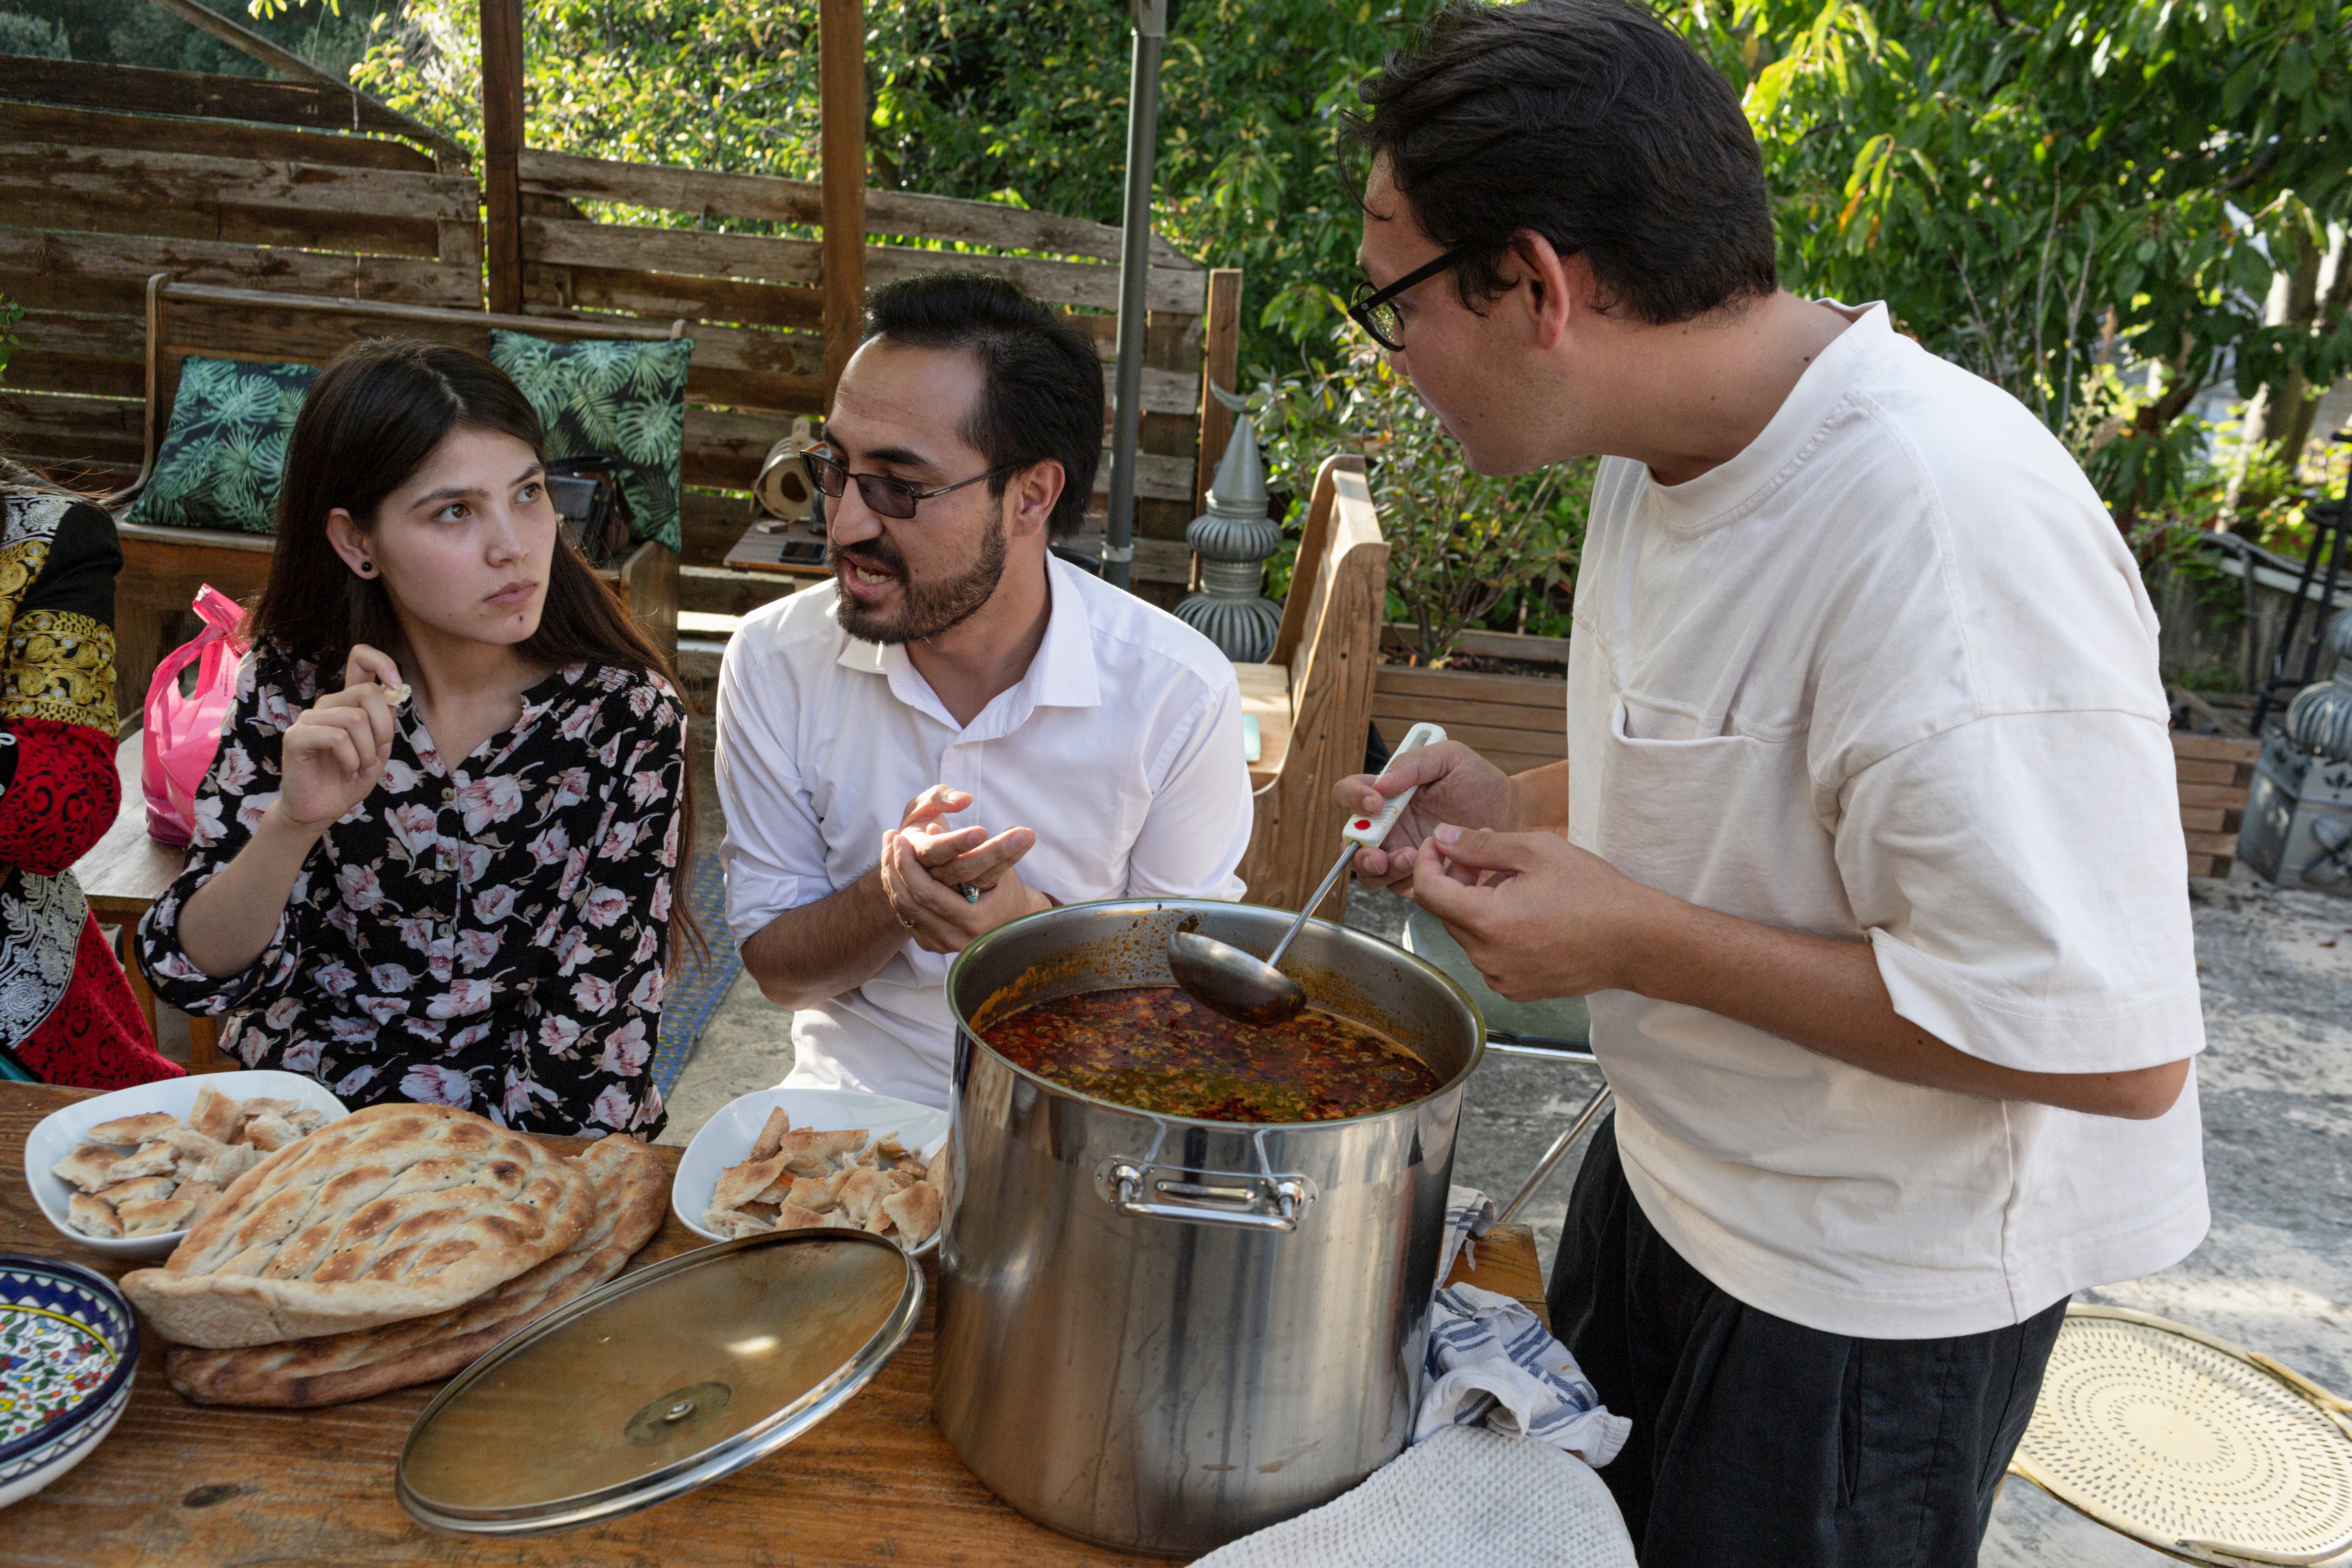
[
  {"x": 754, "y": 305},
  {"x": 111, "y": 174}
]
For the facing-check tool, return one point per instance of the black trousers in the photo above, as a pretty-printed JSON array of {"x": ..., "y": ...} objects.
[{"x": 1758, "y": 1441}]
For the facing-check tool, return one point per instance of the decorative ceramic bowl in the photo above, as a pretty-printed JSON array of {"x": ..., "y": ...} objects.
[
  {"x": 61, "y": 1130},
  {"x": 726, "y": 1139},
  {"x": 69, "y": 1345}
]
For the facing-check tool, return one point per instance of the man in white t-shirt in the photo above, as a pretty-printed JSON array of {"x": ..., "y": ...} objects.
[
  {"x": 1866, "y": 849},
  {"x": 956, "y": 669}
]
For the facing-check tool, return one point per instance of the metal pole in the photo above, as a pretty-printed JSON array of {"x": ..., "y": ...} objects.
[
  {"x": 1553, "y": 1156},
  {"x": 1134, "y": 260}
]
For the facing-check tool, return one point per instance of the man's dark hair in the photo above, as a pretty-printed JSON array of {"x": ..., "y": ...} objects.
[
  {"x": 1042, "y": 392},
  {"x": 1591, "y": 123}
]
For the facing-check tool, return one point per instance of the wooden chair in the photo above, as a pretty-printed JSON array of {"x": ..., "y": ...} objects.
[
  {"x": 1314, "y": 700},
  {"x": 163, "y": 567}
]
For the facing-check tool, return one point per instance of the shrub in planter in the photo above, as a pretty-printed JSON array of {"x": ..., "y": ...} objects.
[{"x": 1466, "y": 549}]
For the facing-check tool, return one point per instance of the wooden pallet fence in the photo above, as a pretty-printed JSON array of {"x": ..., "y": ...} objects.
[
  {"x": 1514, "y": 722},
  {"x": 109, "y": 174},
  {"x": 2215, "y": 773},
  {"x": 754, "y": 303}
]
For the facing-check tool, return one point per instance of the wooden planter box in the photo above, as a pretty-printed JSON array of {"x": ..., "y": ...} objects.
[
  {"x": 2215, "y": 773},
  {"x": 1518, "y": 722}
]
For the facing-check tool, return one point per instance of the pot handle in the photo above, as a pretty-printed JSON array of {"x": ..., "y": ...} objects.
[{"x": 1205, "y": 1197}]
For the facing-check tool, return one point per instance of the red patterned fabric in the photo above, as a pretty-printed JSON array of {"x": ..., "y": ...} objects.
[
  {"x": 96, "y": 1037},
  {"x": 63, "y": 798}
]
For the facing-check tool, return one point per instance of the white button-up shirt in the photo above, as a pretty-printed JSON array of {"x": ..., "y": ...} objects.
[{"x": 1121, "y": 747}]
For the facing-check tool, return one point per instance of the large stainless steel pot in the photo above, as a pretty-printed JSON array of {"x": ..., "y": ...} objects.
[{"x": 1161, "y": 1334}]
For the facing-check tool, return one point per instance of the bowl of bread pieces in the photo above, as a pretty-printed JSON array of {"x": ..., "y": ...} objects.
[
  {"x": 792, "y": 1159},
  {"x": 128, "y": 1174},
  {"x": 387, "y": 1247}
]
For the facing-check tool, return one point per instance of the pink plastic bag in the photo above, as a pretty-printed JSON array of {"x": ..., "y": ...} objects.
[{"x": 182, "y": 733}]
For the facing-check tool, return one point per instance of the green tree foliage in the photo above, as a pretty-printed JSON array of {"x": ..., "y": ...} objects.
[
  {"x": 1021, "y": 100},
  {"x": 331, "y": 33},
  {"x": 2033, "y": 187}
]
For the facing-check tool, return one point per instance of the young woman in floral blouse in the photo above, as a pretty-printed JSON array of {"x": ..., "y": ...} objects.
[{"x": 434, "y": 859}]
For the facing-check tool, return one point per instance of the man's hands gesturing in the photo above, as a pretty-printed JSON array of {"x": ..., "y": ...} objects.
[{"x": 926, "y": 865}]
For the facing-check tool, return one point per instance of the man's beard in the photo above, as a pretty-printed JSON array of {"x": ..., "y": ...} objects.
[{"x": 926, "y": 609}]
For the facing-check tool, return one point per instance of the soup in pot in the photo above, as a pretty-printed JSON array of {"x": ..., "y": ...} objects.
[{"x": 1155, "y": 1048}]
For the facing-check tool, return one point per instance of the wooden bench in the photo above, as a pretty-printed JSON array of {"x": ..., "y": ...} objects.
[
  {"x": 164, "y": 567},
  {"x": 1314, "y": 698},
  {"x": 122, "y": 875}
]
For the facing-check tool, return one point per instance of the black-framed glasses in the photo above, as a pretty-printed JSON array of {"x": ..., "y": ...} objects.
[
  {"x": 885, "y": 496},
  {"x": 1375, "y": 311}
]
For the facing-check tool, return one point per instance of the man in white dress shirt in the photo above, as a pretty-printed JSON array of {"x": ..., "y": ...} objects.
[{"x": 960, "y": 730}]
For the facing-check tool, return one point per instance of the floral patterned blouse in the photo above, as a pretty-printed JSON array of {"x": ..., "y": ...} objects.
[{"x": 488, "y": 934}]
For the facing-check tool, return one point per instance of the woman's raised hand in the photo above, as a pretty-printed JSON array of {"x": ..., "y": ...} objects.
[{"x": 335, "y": 750}]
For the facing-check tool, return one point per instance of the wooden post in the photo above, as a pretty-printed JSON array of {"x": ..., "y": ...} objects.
[
  {"x": 1221, "y": 361},
  {"x": 841, "y": 124},
  {"x": 502, "y": 136}
]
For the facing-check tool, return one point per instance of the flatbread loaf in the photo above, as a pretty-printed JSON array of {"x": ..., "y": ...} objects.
[
  {"x": 398, "y": 1211},
  {"x": 632, "y": 1195}
]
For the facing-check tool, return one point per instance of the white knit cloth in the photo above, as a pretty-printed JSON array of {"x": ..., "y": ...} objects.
[{"x": 1468, "y": 1496}]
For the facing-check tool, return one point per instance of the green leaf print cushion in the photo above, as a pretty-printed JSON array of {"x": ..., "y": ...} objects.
[
  {"x": 225, "y": 451},
  {"x": 598, "y": 396}
]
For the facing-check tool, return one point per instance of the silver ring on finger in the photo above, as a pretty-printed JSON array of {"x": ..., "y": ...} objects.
[{"x": 971, "y": 894}]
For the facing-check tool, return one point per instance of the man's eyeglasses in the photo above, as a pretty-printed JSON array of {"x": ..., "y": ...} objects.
[
  {"x": 1376, "y": 312},
  {"x": 883, "y": 495}
]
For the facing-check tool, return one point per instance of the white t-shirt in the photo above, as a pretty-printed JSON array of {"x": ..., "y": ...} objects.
[
  {"x": 1121, "y": 747},
  {"x": 1890, "y": 674}
]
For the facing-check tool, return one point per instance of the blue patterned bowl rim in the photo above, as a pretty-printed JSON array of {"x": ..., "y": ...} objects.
[{"x": 126, "y": 1361}]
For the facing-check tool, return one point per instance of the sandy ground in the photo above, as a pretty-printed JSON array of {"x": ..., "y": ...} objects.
[{"x": 2275, "y": 1273}]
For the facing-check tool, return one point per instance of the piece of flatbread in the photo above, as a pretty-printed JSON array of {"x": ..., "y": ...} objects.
[
  {"x": 269, "y": 1134},
  {"x": 632, "y": 1195},
  {"x": 144, "y": 1188},
  {"x": 93, "y": 1216},
  {"x": 214, "y": 1114},
  {"x": 733, "y": 1222},
  {"x": 861, "y": 1198},
  {"x": 156, "y": 1159},
  {"x": 153, "y": 1216},
  {"x": 204, "y": 1194},
  {"x": 915, "y": 1211},
  {"x": 791, "y": 1216},
  {"x": 771, "y": 1134},
  {"x": 394, "y": 1212},
  {"x": 130, "y": 1132},
  {"x": 813, "y": 1195},
  {"x": 90, "y": 1167},
  {"x": 809, "y": 1152},
  {"x": 744, "y": 1184}
]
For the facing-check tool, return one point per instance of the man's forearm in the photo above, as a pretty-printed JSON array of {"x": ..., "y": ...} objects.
[
  {"x": 822, "y": 949},
  {"x": 1538, "y": 800},
  {"x": 1828, "y": 997}
]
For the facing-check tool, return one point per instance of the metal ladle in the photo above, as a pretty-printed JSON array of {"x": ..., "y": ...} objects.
[{"x": 1252, "y": 990}]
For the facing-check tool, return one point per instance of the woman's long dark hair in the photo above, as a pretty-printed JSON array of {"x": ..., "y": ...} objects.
[{"x": 369, "y": 422}]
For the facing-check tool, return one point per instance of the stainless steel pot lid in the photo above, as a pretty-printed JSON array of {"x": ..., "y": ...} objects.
[{"x": 658, "y": 1382}]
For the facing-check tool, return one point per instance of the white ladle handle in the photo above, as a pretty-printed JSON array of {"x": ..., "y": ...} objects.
[{"x": 1369, "y": 831}]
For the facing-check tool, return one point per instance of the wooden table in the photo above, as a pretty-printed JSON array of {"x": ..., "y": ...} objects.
[
  {"x": 122, "y": 874},
  {"x": 761, "y": 549},
  {"x": 177, "y": 1483}
]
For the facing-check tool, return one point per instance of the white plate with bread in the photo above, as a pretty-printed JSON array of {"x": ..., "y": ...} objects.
[
  {"x": 779, "y": 1144},
  {"x": 163, "y": 1150}
]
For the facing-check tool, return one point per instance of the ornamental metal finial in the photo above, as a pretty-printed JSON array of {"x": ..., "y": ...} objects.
[{"x": 1233, "y": 538}]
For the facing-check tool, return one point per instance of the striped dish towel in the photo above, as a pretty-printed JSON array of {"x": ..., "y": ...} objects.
[{"x": 1492, "y": 1363}]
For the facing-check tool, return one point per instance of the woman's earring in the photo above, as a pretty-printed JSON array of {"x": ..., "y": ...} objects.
[{"x": 367, "y": 568}]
